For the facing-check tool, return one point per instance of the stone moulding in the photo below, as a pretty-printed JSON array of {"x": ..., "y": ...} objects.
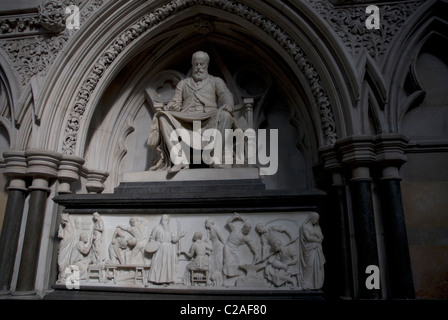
[{"x": 174, "y": 7}]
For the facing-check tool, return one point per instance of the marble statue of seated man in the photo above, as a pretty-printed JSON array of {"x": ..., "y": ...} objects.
[{"x": 201, "y": 98}]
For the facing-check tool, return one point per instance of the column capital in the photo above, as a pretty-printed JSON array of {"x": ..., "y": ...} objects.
[
  {"x": 95, "y": 180},
  {"x": 69, "y": 170},
  {"x": 15, "y": 169},
  {"x": 15, "y": 163},
  {"x": 390, "y": 149},
  {"x": 332, "y": 163},
  {"x": 390, "y": 154},
  {"x": 357, "y": 150},
  {"x": 42, "y": 163},
  {"x": 331, "y": 157}
]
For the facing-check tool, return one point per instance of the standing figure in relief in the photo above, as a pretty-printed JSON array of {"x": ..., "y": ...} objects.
[
  {"x": 81, "y": 255},
  {"x": 97, "y": 238},
  {"x": 66, "y": 233},
  {"x": 231, "y": 253},
  {"x": 200, "y": 251},
  {"x": 163, "y": 265},
  {"x": 217, "y": 240},
  {"x": 312, "y": 257},
  {"x": 137, "y": 230}
]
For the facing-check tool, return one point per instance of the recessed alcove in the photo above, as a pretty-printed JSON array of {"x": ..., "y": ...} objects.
[{"x": 120, "y": 126}]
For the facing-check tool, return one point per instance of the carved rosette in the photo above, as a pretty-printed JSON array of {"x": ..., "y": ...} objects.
[
  {"x": 52, "y": 15},
  {"x": 174, "y": 7}
]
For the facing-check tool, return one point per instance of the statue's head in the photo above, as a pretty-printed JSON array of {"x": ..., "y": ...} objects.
[
  {"x": 260, "y": 228},
  {"x": 197, "y": 236},
  {"x": 209, "y": 222},
  {"x": 65, "y": 218},
  {"x": 199, "y": 64},
  {"x": 84, "y": 237},
  {"x": 246, "y": 228},
  {"x": 165, "y": 219},
  {"x": 314, "y": 218}
]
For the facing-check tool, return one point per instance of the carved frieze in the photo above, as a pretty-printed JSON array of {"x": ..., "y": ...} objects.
[
  {"x": 19, "y": 24},
  {"x": 261, "y": 251}
]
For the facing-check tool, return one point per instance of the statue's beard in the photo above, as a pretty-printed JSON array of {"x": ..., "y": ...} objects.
[{"x": 199, "y": 76}]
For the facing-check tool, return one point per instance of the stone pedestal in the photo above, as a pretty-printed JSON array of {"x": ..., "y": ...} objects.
[{"x": 198, "y": 201}]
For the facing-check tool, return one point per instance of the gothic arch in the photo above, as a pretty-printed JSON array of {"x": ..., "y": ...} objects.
[
  {"x": 118, "y": 45},
  {"x": 428, "y": 22}
]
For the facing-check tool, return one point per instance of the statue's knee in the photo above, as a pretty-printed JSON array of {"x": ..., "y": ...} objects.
[{"x": 225, "y": 116}]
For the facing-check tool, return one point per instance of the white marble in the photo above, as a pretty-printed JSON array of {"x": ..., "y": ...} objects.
[{"x": 261, "y": 251}]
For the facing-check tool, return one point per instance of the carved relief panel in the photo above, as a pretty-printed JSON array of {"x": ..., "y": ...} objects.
[{"x": 261, "y": 251}]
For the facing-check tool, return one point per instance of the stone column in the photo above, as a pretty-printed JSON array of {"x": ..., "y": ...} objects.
[
  {"x": 390, "y": 156},
  {"x": 42, "y": 166},
  {"x": 358, "y": 154},
  {"x": 15, "y": 170},
  {"x": 338, "y": 214}
]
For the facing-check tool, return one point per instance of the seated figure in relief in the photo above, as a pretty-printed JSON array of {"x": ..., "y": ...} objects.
[{"x": 200, "y": 98}]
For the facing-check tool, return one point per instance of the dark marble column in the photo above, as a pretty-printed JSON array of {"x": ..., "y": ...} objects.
[
  {"x": 338, "y": 214},
  {"x": 31, "y": 243},
  {"x": 358, "y": 154},
  {"x": 9, "y": 239},
  {"x": 42, "y": 166},
  {"x": 365, "y": 234},
  {"x": 390, "y": 155}
]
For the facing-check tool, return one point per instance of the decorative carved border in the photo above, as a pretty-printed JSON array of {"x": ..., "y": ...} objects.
[{"x": 174, "y": 7}]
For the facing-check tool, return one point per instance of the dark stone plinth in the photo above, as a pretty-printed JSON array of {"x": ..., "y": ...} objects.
[
  {"x": 226, "y": 200},
  {"x": 191, "y": 187}
]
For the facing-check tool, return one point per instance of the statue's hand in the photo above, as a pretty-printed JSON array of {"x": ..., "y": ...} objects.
[{"x": 227, "y": 108}]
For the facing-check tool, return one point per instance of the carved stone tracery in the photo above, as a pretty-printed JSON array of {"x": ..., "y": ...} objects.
[
  {"x": 35, "y": 55},
  {"x": 349, "y": 24}
]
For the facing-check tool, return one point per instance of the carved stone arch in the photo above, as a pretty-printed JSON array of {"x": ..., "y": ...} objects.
[
  {"x": 371, "y": 109},
  {"x": 120, "y": 44},
  {"x": 426, "y": 22},
  {"x": 9, "y": 96},
  {"x": 151, "y": 64}
]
